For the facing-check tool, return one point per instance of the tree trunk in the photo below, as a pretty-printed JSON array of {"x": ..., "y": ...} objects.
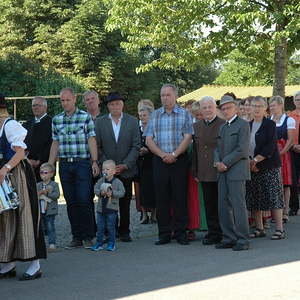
[
  {"x": 280, "y": 59},
  {"x": 280, "y": 68}
]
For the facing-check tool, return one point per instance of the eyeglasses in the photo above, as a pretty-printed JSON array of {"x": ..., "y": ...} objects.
[
  {"x": 45, "y": 172},
  {"x": 228, "y": 107},
  {"x": 257, "y": 106},
  {"x": 37, "y": 105}
]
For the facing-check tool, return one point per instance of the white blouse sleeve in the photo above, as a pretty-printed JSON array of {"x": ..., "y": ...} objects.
[
  {"x": 15, "y": 134},
  {"x": 291, "y": 123}
]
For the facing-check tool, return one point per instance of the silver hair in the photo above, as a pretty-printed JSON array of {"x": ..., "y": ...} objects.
[
  {"x": 146, "y": 108},
  {"x": 208, "y": 99},
  {"x": 172, "y": 86},
  {"x": 195, "y": 106},
  {"x": 260, "y": 99},
  {"x": 296, "y": 94},
  {"x": 277, "y": 99},
  {"x": 44, "y": 100},
  {"x": 87, "y": 93}
]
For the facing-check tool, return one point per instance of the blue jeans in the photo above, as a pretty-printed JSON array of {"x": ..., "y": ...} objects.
[
  {"x": 76, "y": 181},
  {"x": 110, "y": 221},
  {"x": 49, "y": 227}
]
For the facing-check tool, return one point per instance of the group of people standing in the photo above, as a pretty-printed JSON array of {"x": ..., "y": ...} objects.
[{"x": 243, "y": 160}]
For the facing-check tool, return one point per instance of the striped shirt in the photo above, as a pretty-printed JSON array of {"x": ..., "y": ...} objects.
[
  {"x": 168, "y": 130},
  {"x": 72, "y": 132}
]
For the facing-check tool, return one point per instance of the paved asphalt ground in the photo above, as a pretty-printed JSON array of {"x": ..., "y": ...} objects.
[{"x": 141, "y": 270}]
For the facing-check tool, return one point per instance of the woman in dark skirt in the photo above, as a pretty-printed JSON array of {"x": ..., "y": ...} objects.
[
  {"x": 21, "y": 237},
  {"x": 147, "y": 195},
  {"x": 264, "y": 191}
]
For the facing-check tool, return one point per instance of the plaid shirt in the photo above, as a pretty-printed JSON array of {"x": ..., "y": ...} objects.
[
  {"x": 167, "y": 130},
  {"x": 72, "y": 133}
]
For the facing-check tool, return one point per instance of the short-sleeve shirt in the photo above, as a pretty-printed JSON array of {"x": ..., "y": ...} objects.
[
  {"x": 168, "y": 129},
  {"x": 15, "y": 133},
  {"x": 72, "y": 133}
]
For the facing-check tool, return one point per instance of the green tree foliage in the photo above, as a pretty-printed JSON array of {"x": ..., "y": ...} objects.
[
  {"x": 189, "y": 33},
  {"x": 242, "y": 70},
  {"x": 50, "y": 44}
]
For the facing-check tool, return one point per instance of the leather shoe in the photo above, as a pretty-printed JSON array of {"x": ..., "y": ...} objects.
[
  {"x": 162, "y": 242},
  {"x": 208, "y": 241},
  {"x": 183, "y": 241},
  {"x": 11, "y": 273},
  {"x": 26, "y": 276},
  {"x": 125, "y": 238},
  {"x": 223, "y": 245},
  {"x": 240, "y": 247}
]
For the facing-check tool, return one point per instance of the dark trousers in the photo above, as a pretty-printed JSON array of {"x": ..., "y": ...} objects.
[
  {"x": 210, "y": 195},
  {"x": 124, "y": 205},
  {"x": 76, "y": 181},
  {"x": 294, "y": 200},
  {"x": 170, "y": 181}
]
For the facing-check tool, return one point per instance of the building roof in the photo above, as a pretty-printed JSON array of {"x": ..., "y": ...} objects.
[{"x": 217, "y": 91}]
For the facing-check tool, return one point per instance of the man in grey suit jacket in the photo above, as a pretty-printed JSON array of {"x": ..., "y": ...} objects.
[
  {"x": 232, "y": 162},
  {"x": 118, "y": 138}
]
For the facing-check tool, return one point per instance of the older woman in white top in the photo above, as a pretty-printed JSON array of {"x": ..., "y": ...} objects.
[
  {"x": 285, "y": 128},
  {"x": 21, "y": 237}
]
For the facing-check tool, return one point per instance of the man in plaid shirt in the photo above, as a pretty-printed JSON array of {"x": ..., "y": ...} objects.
[
  {"x": 74, "y": 143},
  {"x": 168, "y": 134}
]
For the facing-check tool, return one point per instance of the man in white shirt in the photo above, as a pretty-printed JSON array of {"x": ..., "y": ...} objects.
[
  {"x": 118, "y": 138},
  {"x": 39, "y": 136}
]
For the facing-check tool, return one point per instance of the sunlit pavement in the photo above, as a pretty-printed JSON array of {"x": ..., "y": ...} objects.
[{"x": 141, "y": 270}]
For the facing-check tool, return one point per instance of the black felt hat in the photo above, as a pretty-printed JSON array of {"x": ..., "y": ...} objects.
[
  {"x": 2, "y": 101},
  {"x": 113, "y": 96}
]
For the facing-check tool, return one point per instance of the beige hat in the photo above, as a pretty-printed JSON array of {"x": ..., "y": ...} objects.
[{"x": 226, "y": 99}]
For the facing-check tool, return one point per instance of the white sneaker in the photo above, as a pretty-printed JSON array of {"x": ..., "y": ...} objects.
[{"x": 52, "y": 247}]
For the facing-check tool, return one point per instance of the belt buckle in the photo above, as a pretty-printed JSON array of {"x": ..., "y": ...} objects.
[{"x": 70, "y": 159}]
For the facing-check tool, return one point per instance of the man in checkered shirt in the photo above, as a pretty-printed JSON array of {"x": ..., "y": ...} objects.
[
  {"x": 168, "y": 134},
  {"x": 74, "y": 143}
]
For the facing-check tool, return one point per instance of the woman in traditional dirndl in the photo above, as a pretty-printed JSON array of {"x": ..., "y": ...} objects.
[
  {"x": 21, "y": 237},
  {"x": 285, "y": 128}
]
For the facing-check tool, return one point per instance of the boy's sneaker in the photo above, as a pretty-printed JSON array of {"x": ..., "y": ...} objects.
[
  {"x": 97, "y": 247},
  {"x": 111, "y": 247}
]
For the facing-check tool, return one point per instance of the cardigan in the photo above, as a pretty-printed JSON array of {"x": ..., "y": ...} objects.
[{"x": 266, "y": 145}]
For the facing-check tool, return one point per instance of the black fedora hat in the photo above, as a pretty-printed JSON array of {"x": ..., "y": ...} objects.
[
  {"x": 2, "y": 101},
  {"x": 114, "y": 96}
]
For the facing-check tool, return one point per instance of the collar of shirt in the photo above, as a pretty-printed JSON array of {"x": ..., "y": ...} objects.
[
  {"x": 282, "y": 118},
  {"x": 208, "y": 122},
  {"x": 231, "y": 120},
  {"x": 37, "y": 120},
  {"x": 74, "y": 113},
  {"x": 109, "y": 115},
  {"x": 175, "y": 109}
]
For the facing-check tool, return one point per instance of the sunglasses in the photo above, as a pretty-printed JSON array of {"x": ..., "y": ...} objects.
[{"x": 45, "y": 172}]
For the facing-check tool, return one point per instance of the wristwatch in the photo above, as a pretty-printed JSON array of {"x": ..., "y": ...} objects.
[{"x": 8, "y": 167}]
